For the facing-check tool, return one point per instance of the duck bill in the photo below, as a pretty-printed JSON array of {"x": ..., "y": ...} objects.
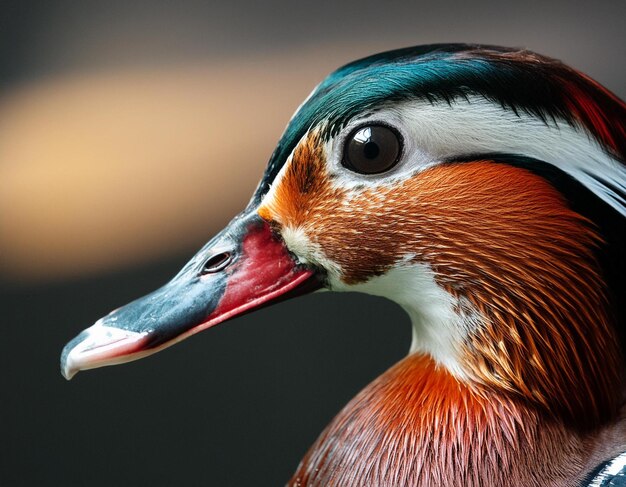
[{"x": 243, "y": 268}]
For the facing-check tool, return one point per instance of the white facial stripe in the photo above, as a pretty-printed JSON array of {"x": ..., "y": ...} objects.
[
  {"x": 441, "y": 324},
  {"x": 433, "y": 133}
]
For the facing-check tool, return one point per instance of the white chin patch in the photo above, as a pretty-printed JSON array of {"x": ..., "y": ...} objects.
[
  {"x": 441, "y": 322},
  {"x": 307, "y": 251}
]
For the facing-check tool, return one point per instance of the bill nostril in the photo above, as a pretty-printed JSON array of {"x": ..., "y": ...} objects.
[{"x": 217, "y": 263}]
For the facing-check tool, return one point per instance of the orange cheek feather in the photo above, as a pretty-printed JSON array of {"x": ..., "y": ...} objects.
[{"x": 498, "y": 236}]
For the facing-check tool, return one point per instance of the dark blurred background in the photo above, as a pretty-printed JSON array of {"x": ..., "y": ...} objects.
[{"x": 130, "y": 132}]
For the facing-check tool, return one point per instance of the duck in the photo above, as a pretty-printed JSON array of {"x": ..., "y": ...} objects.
[{"x": 482, "y": 189}]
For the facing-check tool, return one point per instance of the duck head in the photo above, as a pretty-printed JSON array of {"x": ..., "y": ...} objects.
[{"x": 478, "y": 187}]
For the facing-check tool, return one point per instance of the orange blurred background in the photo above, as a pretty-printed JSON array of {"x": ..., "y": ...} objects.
[{"x": 120, "y": 167}]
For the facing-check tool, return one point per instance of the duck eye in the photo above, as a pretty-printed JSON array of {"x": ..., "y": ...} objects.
[{"x": 372, "y": 149}]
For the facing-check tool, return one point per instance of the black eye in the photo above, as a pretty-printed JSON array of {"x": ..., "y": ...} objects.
[{"x": 372, "y": 149}]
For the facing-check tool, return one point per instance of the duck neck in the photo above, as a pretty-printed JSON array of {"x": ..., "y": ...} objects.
[{"x": 417, "y": 424}]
